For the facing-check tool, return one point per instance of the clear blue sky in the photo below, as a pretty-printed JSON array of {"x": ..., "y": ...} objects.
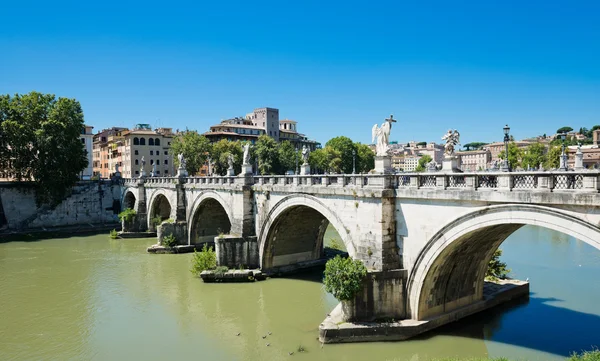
[{"x": 336, "y": 68}]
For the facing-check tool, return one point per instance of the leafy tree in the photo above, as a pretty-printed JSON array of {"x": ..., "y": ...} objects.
[
  {"x": 534, "y": 155},
  {"x": 365, "y": 158},
  {"x": 426, "y": 158},
  {"x": 344, "y": 146},
  {"x": 514, "y": 155},
  {"x": 195, "y": 148},
  {"x": 220, "y": 155},
  {"x": 267, "y": 155},
  {"x": 204, "y": 260},
  {"x": 553, "y": 157},
  {"x": 474, "y": 145},
  {"x": 564, "y": 130},
  {"x": 496, "y": 269},
  {"x": 421, "y": 144},
  {"x": 40, "y": 142},
  {"x": 344, "y": 277},
  {"x": 289, "y": 157},
  {"x": 326, "y": 159}
]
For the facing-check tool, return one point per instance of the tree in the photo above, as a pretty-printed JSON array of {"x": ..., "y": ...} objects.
[
  {"x": 423, "y": 163},
  {"x": 421, "y": 144},
  {"x": 343, "y": 277},
  {"x": 534, "y": 155},
  {"x": 496, "y": 269},
  {"x": 344, "y": 146},
  {"x": 40, "y": 142},
  {"x": 220, "y": 156},
  {"x": 365, "y": 158},
  {"x": 553, "y": 157},
  {"x": 289, "y": 157},
  {"x": 514, "y": 155},
  {"x": 564, "y": 130},
  {"x": 474, "y": 145},
  {"x": 267, "y": 155},
  {"x": 196, "y": 149},
  {"x": 326, "y": 159}
]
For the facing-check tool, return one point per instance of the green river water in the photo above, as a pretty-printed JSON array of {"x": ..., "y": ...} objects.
[{"x": 91, "y": 298}]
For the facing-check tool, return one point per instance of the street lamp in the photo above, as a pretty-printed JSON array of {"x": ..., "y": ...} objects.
[
  {"x": 353, "y": 161},
  {"x": 296, "y": 157},
  {"x": 563, "y": 155},
  {"x": 506, "y": 165}
]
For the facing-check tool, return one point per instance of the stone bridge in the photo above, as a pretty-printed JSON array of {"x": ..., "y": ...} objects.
[{"x": 426, "y": 238}]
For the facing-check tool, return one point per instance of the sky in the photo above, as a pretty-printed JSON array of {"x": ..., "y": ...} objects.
[{"x": 335, "y": 67}]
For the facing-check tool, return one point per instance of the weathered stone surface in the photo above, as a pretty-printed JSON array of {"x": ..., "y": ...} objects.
[{"x": 235, "y": 252}]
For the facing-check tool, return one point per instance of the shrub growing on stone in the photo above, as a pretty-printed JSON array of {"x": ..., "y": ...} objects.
[
  {"x": 114, "y": 234},
  {"x": 156, "y": 221},
  {"x": 221, "y": 270},
  {"x": 496, "y": 269},
  {"x": 169, "y": 241},
  {"x": 343, "y": 277},
  {"x": 203, "y": 260},
  {"x": 127, "y": 215}
]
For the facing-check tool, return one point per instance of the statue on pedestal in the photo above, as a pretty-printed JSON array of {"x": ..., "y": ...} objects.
[
  {"x": 246, "y": 158},
  {"x": 181, "y": 160},
  {"x": 230, "y": 160},
  {"x": 383, "y": 136},
  {"x": 305, "y": 154},
  {"x": 452, "y": 139}
]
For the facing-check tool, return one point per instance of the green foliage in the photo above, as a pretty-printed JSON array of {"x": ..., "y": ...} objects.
[
  {"x": 421, "y": 144},
  {"x": 343, "y": 277},
  {"x": 267, "y": 155},
  {"x": 195, "y": 148},
  {"x": 564, "y": 130},
  {"x": 326, "y": 160},
  {"x": 344, "y": 146},
  {"x": 426, "y": 158},
  {"x": 169, "y": 241},
  {"x": 593, "y": 355},
  {"x": 365, "y": 158},
  {"x": 114, "y": 234},
  {"x": 221, "y": 270},
  {"x": 496, "y": 268},
  {"x": 40, "y": 142},
  {"x": 336, "y": 244},
  {"x": 514, "y": 155},
  {"x": 127, "y": 214},
  {"x": 203, "y": 260},
  {"x": 156, "y": 221},
  {"x": 553, "y": 157},
  {"x": 474, "y": 145},
  {"x": 533, "y": 155},
  {"x": 288, "y": 157},
  {"x": 170, "y": 221},
  {"x": 220, "y": 154}
]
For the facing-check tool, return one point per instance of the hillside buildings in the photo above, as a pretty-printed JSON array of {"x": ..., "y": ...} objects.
[{"x": 262, "y": 121}]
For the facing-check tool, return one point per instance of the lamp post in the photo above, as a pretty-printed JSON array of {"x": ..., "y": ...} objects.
[
  {"x": 353, "y": 161},
  {"x": 563, "y": 155},
  {"x": 506, "y": 165}
]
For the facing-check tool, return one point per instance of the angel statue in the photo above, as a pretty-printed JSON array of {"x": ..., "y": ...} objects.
[
  {"x": 305, "y": 153},
  {"x": 230, "y": 160},
  {"x": 383, "y": 136},
  {"x": 452, "y": 139},
  {"x": 143, "y": 162},
  {"x": 181, "y": 160},
  {"x": 246, "y": 157}
]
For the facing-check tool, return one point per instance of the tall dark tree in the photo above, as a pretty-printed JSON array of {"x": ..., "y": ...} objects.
[
  {"x": 344, "y": 146},
  {"x": 40, "y": 141},
  {"x": 289, "y": 157},
  {"x": 267, "y": 155},
  {"x": 564, "y": 130}
]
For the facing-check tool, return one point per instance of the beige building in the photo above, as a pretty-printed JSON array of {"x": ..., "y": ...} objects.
[
  {"x": 591, "y": 156},
  {"x": 411, "y": 163},
  {"x": 497, "y": 148},
  {"x": 151, "y": 145},
  {"x": 474, "y": 160},
  {"x": 87, "y": 139}
]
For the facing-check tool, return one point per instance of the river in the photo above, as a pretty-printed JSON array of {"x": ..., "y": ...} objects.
[{"x": 92, "y": 298}]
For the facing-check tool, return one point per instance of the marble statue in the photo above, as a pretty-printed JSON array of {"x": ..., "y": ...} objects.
[
  {"x": 432, "y": 166},
  {"x": 383, "y": 136},
  {"x": 452, "y": 139},
  {"x": 181, "y": 161},
  {"x": 143, "y": 162},
  {"x": 305, "y": 154},
  {"x": 246, "y": 157},
  {"x": 230, "y": 160},
  {"x": 154, "y": 169}
]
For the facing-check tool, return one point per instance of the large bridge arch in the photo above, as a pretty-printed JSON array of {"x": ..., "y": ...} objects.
[
  {"x": 129, "y": 199},
  {"x": 293, "y": 231},
  {"x": 159, "y": 206},
  {"x": 208, "y": 216},
  {"x": 449, "y": 271}
]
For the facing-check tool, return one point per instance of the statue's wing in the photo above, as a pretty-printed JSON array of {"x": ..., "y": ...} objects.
[{"x": 375, "y": 131}]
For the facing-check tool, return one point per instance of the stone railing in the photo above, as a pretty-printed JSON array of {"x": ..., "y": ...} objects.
[{"x": 588, "y": 181}]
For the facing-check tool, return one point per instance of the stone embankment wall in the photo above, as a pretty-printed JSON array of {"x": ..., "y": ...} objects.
[{"x": 89, "y": 203}]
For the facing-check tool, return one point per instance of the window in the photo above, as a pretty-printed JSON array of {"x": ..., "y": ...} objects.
[
  {"x": 151, "y": 141},
  {"x": 166, "y": 171},
  {"x": 151, "y": 152},
  {"x": 136, "y": 162},
  {"x": 82, "y": 140},
  {"x": 157, "y": 142},
  {"x": 137, "y": 172},
  {"x": 136, "y": 141},
  {"x": 169, "y": 143},
  {"x": 136, "y": 152},
  {"x": 151, "y": 161},
  {"x": 166, "y": 152},
  {"x": 142, "y": 141},
  {"x": 157, "y": 172},
  {"x": 166, "y": 161}
]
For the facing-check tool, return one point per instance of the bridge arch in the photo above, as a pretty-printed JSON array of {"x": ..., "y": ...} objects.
[
  {"x": 293, "y": 231},
  {"x": 129, "y": 199},
  {"x": 159, "y": 206},
  {"x": 208, "y": 217},
  {"x": 450, "y": 270}
]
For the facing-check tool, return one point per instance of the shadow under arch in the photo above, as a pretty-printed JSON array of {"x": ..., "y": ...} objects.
[
  {"x": 208, "y": 217},
  {"x": 129, "y": 199},
  {"x": 160, "y": 207},
  {"x": 449, "y": 272},
  {"x": 293, "y": 231}
]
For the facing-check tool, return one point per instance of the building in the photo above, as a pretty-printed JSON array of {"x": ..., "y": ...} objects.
[
  {"x": 435, "y": 151},
  {"x": 151, "y": 146},
  {"x": 262, "y": 121},
  {"x": 125, "y": 148},
  {"x": 591, "y": 156},
  {"x": 474, "y": 160},
  {"x": 596, "y": 137},
  {"x": 411, "y": 163},
  {"x": 87, "y": 139},
  {"x": 497, "y": 148},
  {"x": 398, "y": 162}
]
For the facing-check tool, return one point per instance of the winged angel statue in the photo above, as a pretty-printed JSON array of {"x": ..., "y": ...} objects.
[
  {"x": 383, "y": 136},
  {"x": 452, "y": 138}
]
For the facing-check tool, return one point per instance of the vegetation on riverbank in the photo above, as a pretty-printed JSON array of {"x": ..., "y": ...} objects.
[
  {"x": 203, "y": 260},
  {"x": 127, "y": 215},
  {"x": 496, "y": 268},
  {"x": 114, "y": 234},
  {"x": 343, "y": 277}
]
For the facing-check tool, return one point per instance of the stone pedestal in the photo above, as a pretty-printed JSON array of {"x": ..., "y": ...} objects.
[
  {"x": 383, "y": 164},
  {"x": 182, "y": 172},
  {"x": 563, "y": 162},
  {"x": 450, "y": 164},
  {"x": 246, "y": 169},
  {"x": 230, "y": 172},
  {"x": 578, "y": 160},
  {"x": 304, "y": 169}
]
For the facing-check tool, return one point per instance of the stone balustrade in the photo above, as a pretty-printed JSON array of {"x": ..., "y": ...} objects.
[{"x": 584, "y": 181}]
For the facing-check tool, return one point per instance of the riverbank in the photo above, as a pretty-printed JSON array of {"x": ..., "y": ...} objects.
[{"x": 57, "y": 232}]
